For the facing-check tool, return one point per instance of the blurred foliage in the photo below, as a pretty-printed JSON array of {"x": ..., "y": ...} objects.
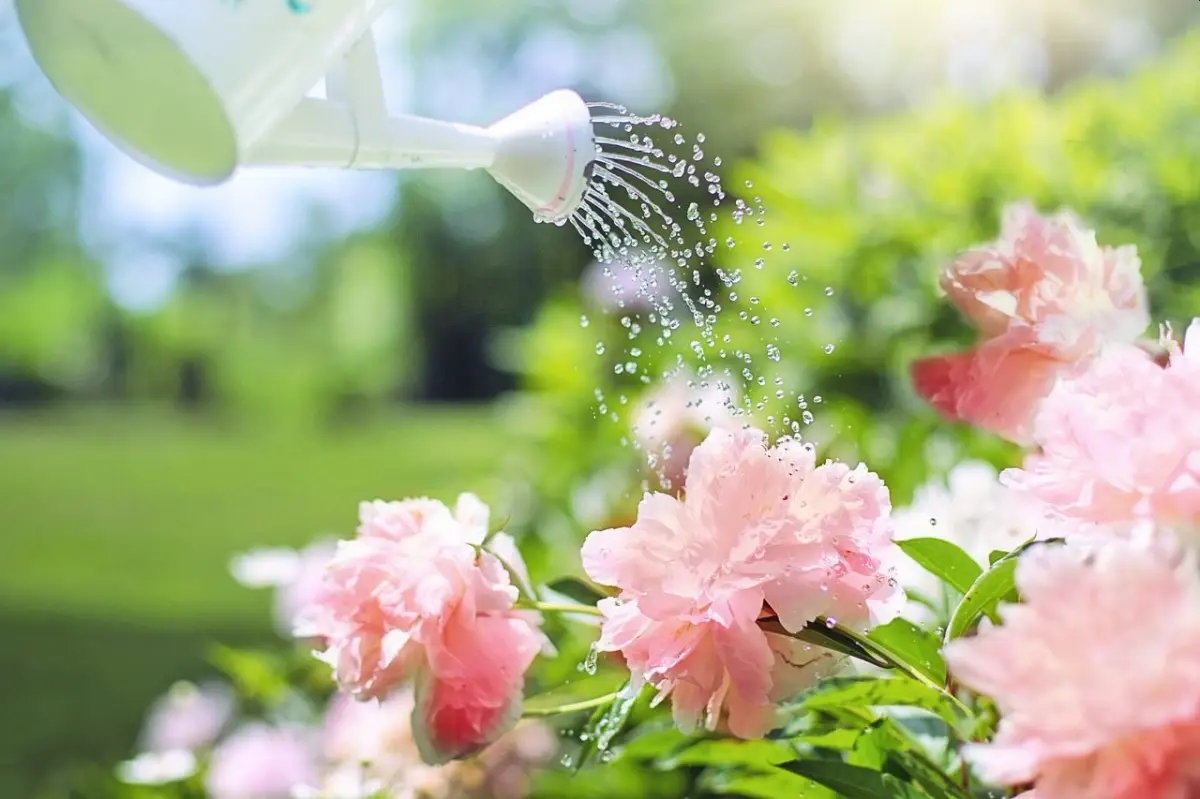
[{"x": 870, "y": 212}]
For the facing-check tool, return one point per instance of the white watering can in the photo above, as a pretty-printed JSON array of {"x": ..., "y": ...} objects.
[{"x": 196, "y": 88}]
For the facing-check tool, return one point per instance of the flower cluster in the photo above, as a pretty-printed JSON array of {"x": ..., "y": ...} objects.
[
  {"x": 1094, "y": 672},
  {"x": 757, "y": 571}
]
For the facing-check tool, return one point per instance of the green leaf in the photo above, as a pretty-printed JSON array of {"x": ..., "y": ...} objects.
[
  {"x": 862, "y": 691},
  {"x": 871, "y": 748},
  {"x": 654, "y": 744},
  {"x": 853, "y": 782},
  {"x": 606, "y": 723},
  {"x": 983, "y": 597},
  {"x": 590, "y": 687},
  {"x": 823, "y": 636},
  {"x": 916, "y": 648},
  {"x": 771, "y": 785},
  {"x": 932, "y": 779},
  {"x": 729, "y": 752},
  {"x": 841, "y": 739},
  {"x": 943, "y": 560},
  {"x": 578, "y": 589},
  {"x": 994, "y": 585},
  {"x": 258, "y": 676},
  {"x": 995, "y": 555}
]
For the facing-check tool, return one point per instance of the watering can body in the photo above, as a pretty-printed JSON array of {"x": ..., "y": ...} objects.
[
  {"x": 196, "y": 88},
  {"x": 190, "y": 85}
]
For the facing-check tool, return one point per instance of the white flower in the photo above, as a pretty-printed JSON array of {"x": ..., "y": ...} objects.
[
  {"x": 971, "y": 510},
  {"x": 157, "y": 768}
]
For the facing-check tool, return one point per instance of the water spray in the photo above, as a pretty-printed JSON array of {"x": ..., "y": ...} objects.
[{"x": 196, "y": 89}]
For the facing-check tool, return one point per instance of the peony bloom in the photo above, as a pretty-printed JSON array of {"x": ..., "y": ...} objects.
[
  {"x": 370, "y": 749},
  {"x": 295, "y": 576},
  {"x": 1046, "y": 298},
  {"x": 1094, "y": 675},
  {"x": 757, "y": 525},
  {"x": 187, "y": 717},
  {"x": 1120, "y": 443},
  {"x": 414, "y": 598},
  {"x": 371, "y": 743},
  {"x": 675, "y": 417},
  {"x": 972, "y": 510},
  {"x": 262, "y": 762}
]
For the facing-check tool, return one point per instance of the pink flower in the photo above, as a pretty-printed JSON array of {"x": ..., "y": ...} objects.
[
  {"x": 295, "y": 576},
  {"x": 676, "y": 416},
  {"x": 369, "y": 746},
  {"x": 634, "y": 285},
  {"x": 373, "y": 741},
  {"x": 757, "y": 525},
  {"x": 1046, "y": 298},
  {"x": 262, "y": 762},
  {"x": 1122, "y": 442},
  {"x": 1095, "y": 675},
  {"x": 413, "y": 598},
  {"x": 187, "y": 717}
]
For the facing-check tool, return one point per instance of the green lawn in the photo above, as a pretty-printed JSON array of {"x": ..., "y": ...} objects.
[{"x": 116, "y": 528}]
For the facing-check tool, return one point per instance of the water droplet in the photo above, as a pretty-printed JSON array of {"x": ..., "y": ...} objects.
[
  {"x": 583, "y": 321},
  {"x": 599, "y": 348},
  {"x": 829, "y": 291},
  {"x": 829, "y": 349},
  {"x": 793, "y": 277}
]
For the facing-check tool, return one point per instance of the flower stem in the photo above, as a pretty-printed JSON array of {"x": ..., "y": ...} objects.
[
  {"x": 551, "y": 607},
  {"x": 570, "y": 707}
]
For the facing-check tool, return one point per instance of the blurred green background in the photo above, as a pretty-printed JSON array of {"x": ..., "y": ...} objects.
[{"x": 185, "y": 374}]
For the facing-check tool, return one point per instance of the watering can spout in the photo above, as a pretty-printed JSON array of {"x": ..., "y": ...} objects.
[{"x": 324, "y": 133}]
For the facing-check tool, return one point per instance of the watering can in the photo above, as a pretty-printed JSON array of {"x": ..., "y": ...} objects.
[{"x": 194, "y": 89}]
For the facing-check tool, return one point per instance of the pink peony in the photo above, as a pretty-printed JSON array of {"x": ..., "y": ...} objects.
[
  {"x": 676, "y": 417},
  {"x": 295, "y": 576},
  {"x": 1095, "y": 675},
  {"x": 187, "y": 717},
  {"x": 757, "y": 525},
  {"x": 370, "y": 749},
  {"x": 262, "y": 762},
  {"x": 1120, "y": 443},
  {"x": 1046, "y": 298},
  {"x": 412, "y": 598},
  {"x": 373, "y": 742}
]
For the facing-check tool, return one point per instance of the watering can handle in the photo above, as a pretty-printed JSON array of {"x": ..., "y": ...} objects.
[{"x": 356, "y": 81}]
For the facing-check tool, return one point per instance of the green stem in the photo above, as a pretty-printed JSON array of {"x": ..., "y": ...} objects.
[
  {"x": 894, "y": 661},
  {"x": 550, "y": 607},
  {"x": 570, "y": 707}
]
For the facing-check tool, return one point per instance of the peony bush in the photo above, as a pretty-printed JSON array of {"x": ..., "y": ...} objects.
[{"x": 763, "y": 622}]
